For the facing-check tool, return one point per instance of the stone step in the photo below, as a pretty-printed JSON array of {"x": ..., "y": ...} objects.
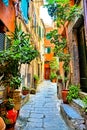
[
  {"x": 72, "y": 117},
  {"x": 78, "y": 105}
]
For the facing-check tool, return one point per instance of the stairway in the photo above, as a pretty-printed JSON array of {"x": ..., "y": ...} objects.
[{"x": 73, "y": 114}]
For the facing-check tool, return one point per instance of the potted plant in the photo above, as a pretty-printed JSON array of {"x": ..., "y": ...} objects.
[
  {"x": 25, "y": 90},
  {"x": 53, "y": 77},
  {"x": 36, "y": 79},
  {"x": 60, "y": 79},
  {"x": 61, "y": 50},
  {"x": 20, "y": 51},
  {"x": 73, "y": 92},
  {"x": 32, "y": 91},
  {"x": 11, "y": 114},
  {"x": 54, "y": 64}
]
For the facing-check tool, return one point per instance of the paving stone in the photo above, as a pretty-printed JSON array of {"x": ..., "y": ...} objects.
[
  {"x": 42, "y": 111},
  {"x": 33, "y": 128},
  {"x": 34, "y": 124},
  {"x": 36, "y": 115},
  {"x": 35, "y": 120}
]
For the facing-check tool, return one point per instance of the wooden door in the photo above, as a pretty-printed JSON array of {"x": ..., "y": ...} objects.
[
  {"x": 82, "y": 58},
  {"x": 47, "y": 73}
]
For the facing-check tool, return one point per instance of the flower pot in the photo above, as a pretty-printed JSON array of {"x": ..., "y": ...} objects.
[
  {"x": 25, "y": 92},
  {"x": 60, "y": 80},
  {"x": 53, "y": 80},
  {"x": 64, "y": 95},
  {"x": 10, "y": 126}
]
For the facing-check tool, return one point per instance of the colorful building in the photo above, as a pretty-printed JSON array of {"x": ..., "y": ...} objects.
[
  {"x": 48, "y": 54},
  {"x": 77, "y": 38},
  {"x": 27, "y": 13}
]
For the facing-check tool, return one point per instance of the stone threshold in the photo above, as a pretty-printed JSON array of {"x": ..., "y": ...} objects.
[{"x": 72, "y": 117}]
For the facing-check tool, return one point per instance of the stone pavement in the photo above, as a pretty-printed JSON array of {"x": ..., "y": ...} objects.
[{"x": 42, "y": 111}]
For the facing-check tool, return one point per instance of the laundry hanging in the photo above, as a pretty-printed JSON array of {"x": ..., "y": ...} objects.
[
  {"x": 24, "y": 6},
  {"x": 6, "y": 2}
]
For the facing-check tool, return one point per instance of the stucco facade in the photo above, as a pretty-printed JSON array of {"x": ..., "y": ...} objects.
[
  {"x": 34, "y": 26},
  {"x": 48, "y": 53}
]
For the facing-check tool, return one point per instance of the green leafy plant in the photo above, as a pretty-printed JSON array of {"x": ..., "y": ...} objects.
[
  {"x": 73, "y": 92},
  {"x": 54, "y": 64},
  {"x": 9, "y": 104},
  {"x": 15, "y": 82},
  {"x": 61, "y": 12},
  {"x": 6, "y": 120},
  {"x": 85, "y": 103},
  {"x": 20, "y": 51},
  {"x": 25, "y": 88},
  {"x": 53, "y": 75},
  {"x": 36, "y": 77}
]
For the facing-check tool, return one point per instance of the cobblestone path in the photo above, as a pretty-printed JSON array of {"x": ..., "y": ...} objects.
[{"x": 42, "y": 111}]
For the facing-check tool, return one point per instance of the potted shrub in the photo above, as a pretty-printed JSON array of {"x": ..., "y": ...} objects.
[
  {"x": 73, "y": 92},
  {"x": 36, "y": 79},
  {"x": 61, "y": 49},
  {"x": 32, "y": 91},
  {"x": 54, "y": 64},
  {"x": 53, "y": 77},
  {"x": 25, "y": 90},
  {"x": 11, "y": 114},
  {"x": 20, "y": 51},
  {"x": 60, "y": 79}
]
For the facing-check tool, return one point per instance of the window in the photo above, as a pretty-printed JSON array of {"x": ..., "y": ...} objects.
[
  {"x": 2, "y": 41},
  {"x": 48, "y": 50}
]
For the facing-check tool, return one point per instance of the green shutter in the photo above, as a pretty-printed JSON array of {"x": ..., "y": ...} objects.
[
  {"x": 48, "y": 50},
  {"x": 2, "y": 41}
]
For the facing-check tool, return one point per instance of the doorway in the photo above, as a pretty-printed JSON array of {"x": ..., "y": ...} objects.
[
  {"x": 82, "y": 57},
  {"x": 47, "y": 73}
]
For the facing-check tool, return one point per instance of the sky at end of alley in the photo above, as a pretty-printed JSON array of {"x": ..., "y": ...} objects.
[{"x": 45, "y": 16}]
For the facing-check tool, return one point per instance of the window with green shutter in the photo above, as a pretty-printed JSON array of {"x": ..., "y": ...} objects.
[
  {"x": 47, "y": 50},
  {"x": 2, "y": 41}
]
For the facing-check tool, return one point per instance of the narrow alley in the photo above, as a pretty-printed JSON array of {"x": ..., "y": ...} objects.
[{"x": 42, "y": 111}]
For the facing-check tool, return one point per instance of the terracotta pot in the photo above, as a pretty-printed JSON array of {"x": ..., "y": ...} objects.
[
  {"x": 60, "y": 80},
  {"x": 64, "y": 95},
  {"x": 10, "y": 126},
  {"x": 53, "y": 80},
  {"x": 25, "y": 92}
]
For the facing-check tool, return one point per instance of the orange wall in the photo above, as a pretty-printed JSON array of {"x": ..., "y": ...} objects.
[
  {"x": 48, "y": 57},
  {"x": 7, "y": 15},
  {"x": 47, "y": 43}
]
